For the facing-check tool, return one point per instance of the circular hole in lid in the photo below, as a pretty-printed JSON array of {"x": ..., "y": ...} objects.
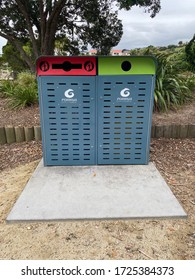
[{"x": 126, "y": 65}]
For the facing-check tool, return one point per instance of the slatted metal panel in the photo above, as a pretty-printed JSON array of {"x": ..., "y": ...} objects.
[
  {"x": 124, "y": 119},
  {"x": 68, "y": 120}
]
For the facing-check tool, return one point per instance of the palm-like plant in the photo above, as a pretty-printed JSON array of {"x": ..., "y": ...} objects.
[
  {"x": 20, "y": 93},
  {"x": 171, "y": 88},
  {"x": 6, "y": 88},
  {"x": 23, "y": 97}
]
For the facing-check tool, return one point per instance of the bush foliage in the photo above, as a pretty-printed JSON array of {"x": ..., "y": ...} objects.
[
  {"x": 190, "y": 53},
  {"x": 22, "y": 92},
  {"x": 172, "y": 88}
]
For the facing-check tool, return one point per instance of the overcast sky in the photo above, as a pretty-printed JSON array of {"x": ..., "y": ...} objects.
[{"x": 175, "y": 22}]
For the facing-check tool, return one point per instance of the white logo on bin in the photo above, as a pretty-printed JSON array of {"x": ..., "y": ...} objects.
[
  {"x": 125, "y": 92},
  {"x": 69, "y": 93},
  {"x": 125, "y": 95}
]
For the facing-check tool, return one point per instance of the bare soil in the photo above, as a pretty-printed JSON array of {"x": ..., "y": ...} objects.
[{"x": 113, "y": 239}]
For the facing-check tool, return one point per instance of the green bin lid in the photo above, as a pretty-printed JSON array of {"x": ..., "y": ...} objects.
[{"x": 126, "y": 65}]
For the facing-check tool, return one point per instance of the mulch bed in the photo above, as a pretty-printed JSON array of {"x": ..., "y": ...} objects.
[
  {"x": 28, "y": 116},
  {"x": 175, "y": 160},
  {"x": 168, "y": 154},
  {"x": 15, "y": 154}
]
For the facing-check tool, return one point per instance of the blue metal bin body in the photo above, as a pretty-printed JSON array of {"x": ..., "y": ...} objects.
[{"x": 97, "y": 112}]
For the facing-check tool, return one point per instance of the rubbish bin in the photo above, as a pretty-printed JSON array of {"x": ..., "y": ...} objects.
[
  {"x": 125, "y": 102},
  {"x": 67, "y": 94},
  {"x": 96, "y": 110}
]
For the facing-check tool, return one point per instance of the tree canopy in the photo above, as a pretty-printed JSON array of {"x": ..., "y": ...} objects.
[
  {"x": 42, "y": 22},
  {"x": 12, "y": 56}
]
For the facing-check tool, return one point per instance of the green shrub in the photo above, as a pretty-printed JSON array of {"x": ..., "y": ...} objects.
[
  {"x": 25, "y": 79},
  {"x": 190, "y": 81},
  {"x": 190, "y": 53},
  {"x": 6, "y": 88},
  {"x": 23, "y": 97},
  {"x": 171, "y": 89},
  {"x": 22, "y": 92}
]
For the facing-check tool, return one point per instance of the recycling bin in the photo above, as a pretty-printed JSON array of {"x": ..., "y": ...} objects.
[
  {"x": 125, "y": 103},
  {"x": 96, "y": 110}
]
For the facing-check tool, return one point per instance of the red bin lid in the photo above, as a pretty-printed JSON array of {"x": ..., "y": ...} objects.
[{"x": 66, "y": 66}]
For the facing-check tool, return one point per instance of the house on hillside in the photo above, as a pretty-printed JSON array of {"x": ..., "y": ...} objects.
[
  {"x": 112, "y": 52},
  {"x": 126, "y": 52},
  {"x": 116, "y": 52},
  {"x": 92, "y": 52}
]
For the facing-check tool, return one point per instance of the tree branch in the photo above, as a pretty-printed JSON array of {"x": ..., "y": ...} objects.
[
  {"x": 43, "y": 22},
  {"x": 56, "y": 10},
  {"x": 51, "y": 26},
  {"x": 19, "y": 47},
  {"x": 24, "y": 11}
]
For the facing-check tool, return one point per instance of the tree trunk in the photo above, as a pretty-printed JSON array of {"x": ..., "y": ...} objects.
[
  {"x": 24, "y": 12},
  {"x": 19, "y": 47},
  {"x": 50, "y": 28},
  {"x": 26, "y": 58}
]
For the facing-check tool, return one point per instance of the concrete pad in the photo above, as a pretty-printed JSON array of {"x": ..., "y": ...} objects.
[{"x": 95, "y": 192}]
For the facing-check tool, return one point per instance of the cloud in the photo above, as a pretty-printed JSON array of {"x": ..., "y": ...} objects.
[{"x": 175, "y": 22}]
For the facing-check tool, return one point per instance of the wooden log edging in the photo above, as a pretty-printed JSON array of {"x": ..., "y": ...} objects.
[
  {"x": 29, "y": 133},
  {"x": 173, "y": 131},
  {"x": 3, "y": 139},
  {"x": 19, "y": 132},
  {"x": 10, "y": 134}
]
